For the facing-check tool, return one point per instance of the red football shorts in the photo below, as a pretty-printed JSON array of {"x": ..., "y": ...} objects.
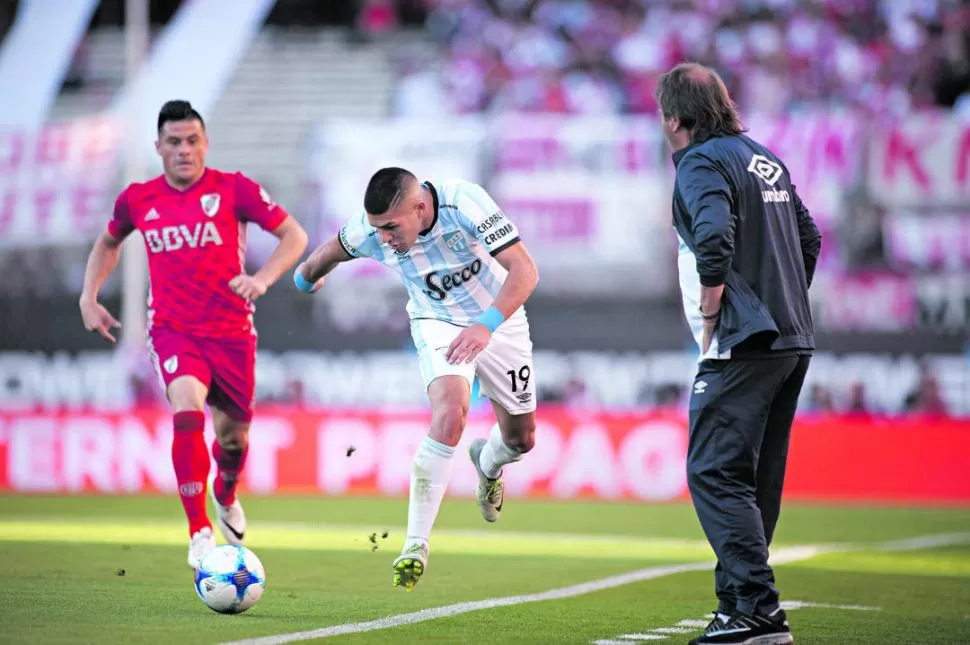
[{"x": 227, "y": 367}]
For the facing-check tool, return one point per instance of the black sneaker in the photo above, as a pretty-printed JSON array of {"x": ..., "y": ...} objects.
[
  {"x": 719, "y": 619},
  {"x": 745, "y": 630}
]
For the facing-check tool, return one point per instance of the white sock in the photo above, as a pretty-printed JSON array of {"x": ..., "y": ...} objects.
[
  {"x": 496, "y": 454},
  {"x": 430, "y": 472}
]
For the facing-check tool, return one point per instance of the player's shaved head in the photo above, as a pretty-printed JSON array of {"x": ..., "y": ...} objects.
[
  {"x": 386, "y": 189},
  {"x": 697, "y": 96},
  {"x": 399, "y": 207}
]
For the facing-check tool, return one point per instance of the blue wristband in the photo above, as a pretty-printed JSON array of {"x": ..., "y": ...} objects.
[
  {"x": 302, "y": 283},
  {"x": 492, "y": 318}
]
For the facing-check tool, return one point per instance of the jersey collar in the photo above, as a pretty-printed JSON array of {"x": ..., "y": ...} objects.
[
  {"x": 434, "y": 205},
  {"x": 175, "y": 191},
  {"x": 677, "y": 156}
]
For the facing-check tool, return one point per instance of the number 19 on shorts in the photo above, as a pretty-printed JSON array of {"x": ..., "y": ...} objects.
[{"x": 519, "y": 378}]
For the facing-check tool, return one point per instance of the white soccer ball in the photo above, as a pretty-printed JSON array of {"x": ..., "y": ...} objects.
[{"x": 230, "y": 579}]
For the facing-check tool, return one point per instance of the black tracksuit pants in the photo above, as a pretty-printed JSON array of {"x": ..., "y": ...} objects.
[{"x": 741, "y": 413}]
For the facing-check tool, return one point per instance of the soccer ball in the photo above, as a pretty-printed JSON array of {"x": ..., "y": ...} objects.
[{"x": 230, "y": 579}]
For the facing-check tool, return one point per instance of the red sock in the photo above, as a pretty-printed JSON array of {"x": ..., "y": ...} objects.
[
  {"x": 191, "y": 461},
  {"x": 230, "y": 464}
]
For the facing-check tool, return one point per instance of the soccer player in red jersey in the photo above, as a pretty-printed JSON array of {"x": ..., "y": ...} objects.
[{"x": 200, "y": 306}]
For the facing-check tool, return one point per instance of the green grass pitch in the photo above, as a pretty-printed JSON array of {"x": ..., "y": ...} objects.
[{"x": 858, "y": 578}]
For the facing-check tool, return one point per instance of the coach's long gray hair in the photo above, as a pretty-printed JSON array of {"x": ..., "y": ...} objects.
[{"x": 697, "y": 96}]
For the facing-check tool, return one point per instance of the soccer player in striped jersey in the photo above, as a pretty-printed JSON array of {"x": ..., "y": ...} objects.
[{"x": 468, "y": 276}]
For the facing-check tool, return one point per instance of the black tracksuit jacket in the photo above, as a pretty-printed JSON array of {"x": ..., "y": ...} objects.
[{"x": 736, "y": 209}]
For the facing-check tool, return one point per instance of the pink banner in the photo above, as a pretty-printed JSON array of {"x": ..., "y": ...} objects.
[
  {"x": 887, "y": 302},
  {"x": 924, "y": 161},
  {"x": 57, "y": 185},
  {"x": 864, "y": 302},
  {"x": 560, "y": 178},
  {"x": 533, "y": 144},
  {"x": 552, "y": 220},
  {"x": 586, "y": 191},
  {"x": 931, "y": 241}
]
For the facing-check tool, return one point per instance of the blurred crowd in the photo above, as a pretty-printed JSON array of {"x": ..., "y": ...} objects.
[
  {"x": 604, "y": 56},
  {"x": 580, "y": 392},
  {"x": 887, "y": 57},
  {"x": 925, "y": 399}
]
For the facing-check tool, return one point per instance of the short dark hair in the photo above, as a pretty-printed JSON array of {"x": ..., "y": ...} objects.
[
  {"x": 697, "y": 96},
  {"x": 385, "y": 189},
  {"x": 178, "y": 110}
]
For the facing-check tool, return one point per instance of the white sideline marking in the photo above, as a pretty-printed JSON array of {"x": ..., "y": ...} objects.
[
  {"x": 791, "y": 605},
  {"x": 907, "y": 544},
  {"x": 641, "y": 637},
  {"x": 925, "y": 542},
  {"x": 465, "y": 607},
  {"x": 783, "y": 556},
  {"x": 693, "y": 623},
  {"x": 688, "y": 626}
]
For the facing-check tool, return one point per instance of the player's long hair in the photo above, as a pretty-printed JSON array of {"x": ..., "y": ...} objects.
[{"x": 698, "y": 97}]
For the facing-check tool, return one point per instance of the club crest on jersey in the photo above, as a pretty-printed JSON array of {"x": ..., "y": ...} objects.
[
  {"x": 210, "y": 204},
  {"x": 171, "y": 364},
  {"x": 456, "y": 242}
]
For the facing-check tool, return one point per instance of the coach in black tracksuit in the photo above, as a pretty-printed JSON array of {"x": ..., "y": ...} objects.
[{"x": 748, "y": 249}]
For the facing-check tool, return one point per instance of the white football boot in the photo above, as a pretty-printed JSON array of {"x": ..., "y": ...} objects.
[
  {"x": 232, "y": 519},
  {"x": 201, "y": 542},
  {"x": 491, "y": 492}
]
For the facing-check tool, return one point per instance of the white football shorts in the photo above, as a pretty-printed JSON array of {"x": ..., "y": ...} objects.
[{"x": 504, "y": 368}]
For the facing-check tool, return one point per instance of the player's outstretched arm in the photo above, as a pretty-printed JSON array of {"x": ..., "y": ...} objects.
[
  {"x": 293, "y": 241},
  {"x": 312, "y": 273},
  {"x": 521, "y": 281},
  {"x": 101, "y": 262},
  {"x": 519, "y": 284}
]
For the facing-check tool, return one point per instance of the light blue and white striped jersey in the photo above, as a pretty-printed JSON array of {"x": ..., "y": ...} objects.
[{"x": 450, "y": 273}]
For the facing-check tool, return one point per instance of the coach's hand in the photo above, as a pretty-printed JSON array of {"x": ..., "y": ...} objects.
[
  {"x": 248, "y": 287},
  {"x": 96, "y": 318},
  {"x": 710, "y": 328},
  {"x": 468, "y": 344}
]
